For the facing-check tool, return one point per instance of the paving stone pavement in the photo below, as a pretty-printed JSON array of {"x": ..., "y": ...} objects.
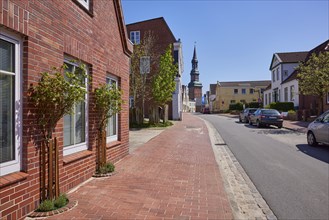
[{"x": 173, "y": 176}]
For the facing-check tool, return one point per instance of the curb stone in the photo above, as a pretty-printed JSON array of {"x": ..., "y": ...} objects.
[{"x": 245, "y": 200}]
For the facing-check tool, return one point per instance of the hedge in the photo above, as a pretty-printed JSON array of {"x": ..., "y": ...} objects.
[{"x": 282, "y": 106}]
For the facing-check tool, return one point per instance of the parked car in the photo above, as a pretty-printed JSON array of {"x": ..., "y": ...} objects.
[
  {"x": 266, "y": 117},
  {"x": 318, "y": 130},
  {"x": 206, "y": 110},
  {"x": 245, "y": 114}
]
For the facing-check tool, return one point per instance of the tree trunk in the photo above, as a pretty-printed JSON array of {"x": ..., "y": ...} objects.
[{"x": 165, "y": 113}]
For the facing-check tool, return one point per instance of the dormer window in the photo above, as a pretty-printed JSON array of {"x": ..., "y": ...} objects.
[{"x": 135, "y": 37}]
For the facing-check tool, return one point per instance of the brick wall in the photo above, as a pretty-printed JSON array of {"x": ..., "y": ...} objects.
[{"x": 50, "y": 29}]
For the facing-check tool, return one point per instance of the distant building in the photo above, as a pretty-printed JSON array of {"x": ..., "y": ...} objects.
[
  {"x": 163, "y": 37},
  {"x": 237, "y": 92},
  {"x": 195, "y": 86},
  {"x": 188, "y": 105}
]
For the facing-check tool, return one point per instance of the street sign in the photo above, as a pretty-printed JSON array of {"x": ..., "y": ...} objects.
[{"x": 144, "y": 65}]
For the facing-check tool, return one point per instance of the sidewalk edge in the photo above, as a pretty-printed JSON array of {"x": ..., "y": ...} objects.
[{"x": 245, "y": 200}]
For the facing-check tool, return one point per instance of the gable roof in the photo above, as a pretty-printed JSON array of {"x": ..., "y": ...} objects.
[
  {"x": 320, "y": 48},
  {"x": 288, "y": 57},
  {"x": 127, "y": 46}
]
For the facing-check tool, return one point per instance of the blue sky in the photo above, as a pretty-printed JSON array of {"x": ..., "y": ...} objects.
[{"x": 235, "y": 40}]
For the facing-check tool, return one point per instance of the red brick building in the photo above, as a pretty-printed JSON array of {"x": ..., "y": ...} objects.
[
  {"x": 164, "y": 37},
  {"x": 36, "y": 36}
]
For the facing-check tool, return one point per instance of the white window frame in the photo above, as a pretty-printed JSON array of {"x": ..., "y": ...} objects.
[
  {"x": 71, "y": 149},
  {"x": 85, "y": 3},
  {"x": 113, "y": 137},
  {"x": 286, "y": 94},
  {"x": 273, "y": 75},
  {"x": 15, "y": 165},
  {"x": 133, "y": 38}
]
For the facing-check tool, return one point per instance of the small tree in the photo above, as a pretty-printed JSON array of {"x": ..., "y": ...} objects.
[
  {"x": 108, "y": 103},
  {"x": 164, "y": 82},
  {"x": 54, "y": 96},
  {"x": 139, "y": 86},
  {"x": 313, "y": 76}
]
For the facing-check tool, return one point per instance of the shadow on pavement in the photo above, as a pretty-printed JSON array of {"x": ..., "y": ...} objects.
[{"x": 320, "y": 152}]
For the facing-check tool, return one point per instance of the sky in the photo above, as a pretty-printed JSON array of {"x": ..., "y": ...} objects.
[{"x": 235, "y": 40}]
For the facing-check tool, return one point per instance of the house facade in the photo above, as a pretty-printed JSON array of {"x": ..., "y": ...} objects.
[
  {"x": 237, "y": 92},
  {"x": 35, "y": 37},
  {"x": 282, "y": 67},
  {"x": 164, "y": 37},
  {"x": 284, "y": 83},
  {"x": 188, "y": 105}
]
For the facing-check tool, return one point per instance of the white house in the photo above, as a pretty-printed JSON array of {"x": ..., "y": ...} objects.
[
  {"x": 284, "y": 89},
  {"x": 177, "y": 102}
]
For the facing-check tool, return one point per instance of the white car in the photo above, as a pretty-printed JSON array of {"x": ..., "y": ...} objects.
[{"x": 318, "y": 130}]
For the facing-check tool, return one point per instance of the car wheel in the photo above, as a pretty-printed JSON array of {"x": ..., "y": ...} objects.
[
  {"x": 250, "y": 122},
  {"x": 311, "y": 139},
  {"x": 258, "y": 124},
  {"x": 240, "y": 119},
  {"x": 279, "y": 126},
  {"x": 246, "y": 120}
]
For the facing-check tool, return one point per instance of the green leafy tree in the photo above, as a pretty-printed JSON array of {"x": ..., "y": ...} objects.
[
  {"x": 55, "y": 95},
  {"x": 108, "y": 103},
  {"x": 164, "y": 82},
  {"x": 313, "y": 76}
]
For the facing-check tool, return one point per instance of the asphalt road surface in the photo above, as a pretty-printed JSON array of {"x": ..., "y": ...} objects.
[{"x": 292, "y": 177}]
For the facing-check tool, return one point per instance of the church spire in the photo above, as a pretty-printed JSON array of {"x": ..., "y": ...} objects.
[{"x": 194, "y": 62}]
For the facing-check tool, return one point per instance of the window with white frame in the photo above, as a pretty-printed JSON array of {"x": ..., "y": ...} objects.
[
  {"x": 243, "y": 91},
  {"x": 292, "y": 93},
  {"x": 10, "y": 104},
  {"x": 273, "y": 75},
  {"x": 112, "y": 125},
  {"x": 75, "y": 129},
  {"x": 286, "y": 94},
  {"x": 236, "y": 91},
  {"x": 277, "y": 74},
  {"x": 266, "y": 103},
  {"x": 135, "y": 37},
  {"x": 85, "y": 3},
  {"x": 251, "y": 91}
]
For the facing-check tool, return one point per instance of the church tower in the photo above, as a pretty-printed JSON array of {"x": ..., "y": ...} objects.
[{"x": 194, "y": 86}]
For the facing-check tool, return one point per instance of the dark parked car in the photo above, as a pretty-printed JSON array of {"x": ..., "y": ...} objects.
[
  {"x": 206, "y": 110},
  {"x": 318, "y": 130},
  {"x": 266, "y": 117},
  {"x": 245, "y": 114}
]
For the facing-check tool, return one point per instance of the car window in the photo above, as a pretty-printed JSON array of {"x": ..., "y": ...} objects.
[
  {"x": 252, "y": 110},
  {"x": 270, "y": 112},
  {"x": 326, "y": 118}
]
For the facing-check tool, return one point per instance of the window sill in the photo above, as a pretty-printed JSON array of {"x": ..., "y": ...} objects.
[
  {"x": 12, "y": 178},
  {"x": 113, "y": 144},
  {"x": 76, "y": 156}
]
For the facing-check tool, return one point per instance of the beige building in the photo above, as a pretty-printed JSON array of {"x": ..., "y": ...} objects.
[{"x": 227, "y": 93}]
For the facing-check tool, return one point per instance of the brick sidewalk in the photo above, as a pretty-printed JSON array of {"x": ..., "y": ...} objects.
[{"x": 173, "y": 176}]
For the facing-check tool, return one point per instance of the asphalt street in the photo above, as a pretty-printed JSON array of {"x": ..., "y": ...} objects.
[{"x": 292, "y": 177}]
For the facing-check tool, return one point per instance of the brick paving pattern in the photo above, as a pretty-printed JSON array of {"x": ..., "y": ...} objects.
[{"x": 173, "y": 176}]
